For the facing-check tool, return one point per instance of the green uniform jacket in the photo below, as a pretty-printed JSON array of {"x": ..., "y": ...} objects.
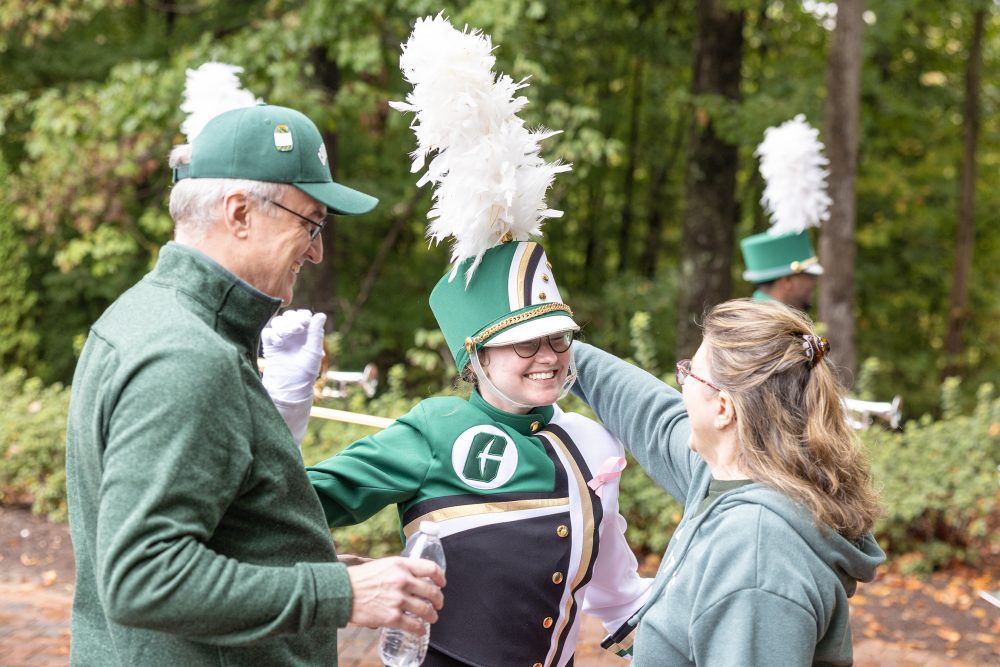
[
  {"x": 529, "y": 543},
  {"x": 749, "y": 581},
  {"x": 197, "y": 536}
]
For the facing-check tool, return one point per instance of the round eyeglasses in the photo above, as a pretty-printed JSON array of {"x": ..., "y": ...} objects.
[
  {"x": 559, "y": 343},
  {"x": 318, "y": 226},
  {"x": 683, "y": 372}
]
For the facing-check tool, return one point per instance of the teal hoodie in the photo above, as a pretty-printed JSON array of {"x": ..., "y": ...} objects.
[{"x": 751, "y": 580}]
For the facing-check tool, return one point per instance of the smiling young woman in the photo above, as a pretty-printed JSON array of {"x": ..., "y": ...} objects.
[{"x": 526, "y": 495}]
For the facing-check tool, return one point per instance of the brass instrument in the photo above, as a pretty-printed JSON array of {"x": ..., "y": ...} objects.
[
  {"x": 367, "y": 379},
  {"x": 861, "y": 414}
]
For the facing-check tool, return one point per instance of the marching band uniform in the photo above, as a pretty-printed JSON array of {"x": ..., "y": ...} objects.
[{"x": 527, "y": 503}]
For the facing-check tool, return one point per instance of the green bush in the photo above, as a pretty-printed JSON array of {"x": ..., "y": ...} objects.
[
  {"x": 32, "y": 444},
  {"x": 938, "y": 481}
]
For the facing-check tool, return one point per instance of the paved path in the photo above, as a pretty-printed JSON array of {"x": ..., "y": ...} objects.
[{"x": 34, "y": 632}]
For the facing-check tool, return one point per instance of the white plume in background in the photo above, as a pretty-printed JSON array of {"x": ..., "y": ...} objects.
[
  {"x": 484, "y": 164},
  {"x": 794, "y": 170},
  {"x": 212, "y": 89}
]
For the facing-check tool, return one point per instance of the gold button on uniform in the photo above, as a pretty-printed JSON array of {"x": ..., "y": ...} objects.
[
  {"x": 547, "y": 622},
  {"x": 562, "y": 531},
  {"x": 535, "y": 426},
  {"x": 541, "y": 295},
  {"x": 537, "y": 664},
  {"x": 545, "y": 278},
  {"x": 557, "y": 577}
]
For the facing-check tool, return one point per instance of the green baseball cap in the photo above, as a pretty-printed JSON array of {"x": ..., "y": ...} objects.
[
  {"x": 274, "y": 144},
  {"x": 772, "y": 256},
  {"x": 512, "y": 297}
]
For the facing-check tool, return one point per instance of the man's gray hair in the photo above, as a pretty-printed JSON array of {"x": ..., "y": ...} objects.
[{"x": 196, "y": 203}]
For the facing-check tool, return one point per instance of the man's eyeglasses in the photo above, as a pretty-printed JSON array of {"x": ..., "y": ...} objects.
[
  {"x": 318, "y": 226},
  {"x": 559, "y": 343},
  {"x": 683, "y": 372}
]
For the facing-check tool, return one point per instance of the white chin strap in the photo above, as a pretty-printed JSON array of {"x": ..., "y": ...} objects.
[{"x": 484, "y": 380}]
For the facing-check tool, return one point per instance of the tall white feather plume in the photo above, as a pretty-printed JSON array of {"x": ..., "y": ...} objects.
[
  {"x": 212, "y": 89},
  {"x": 484, "y": 164},
  {"x": 794, "y": 170}
]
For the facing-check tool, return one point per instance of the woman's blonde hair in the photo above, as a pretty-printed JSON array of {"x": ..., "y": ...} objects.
[{"x": 789, "y": 415}]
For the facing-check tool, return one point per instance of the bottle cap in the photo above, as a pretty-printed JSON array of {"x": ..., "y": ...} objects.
[{"x": 430, "y": 528}]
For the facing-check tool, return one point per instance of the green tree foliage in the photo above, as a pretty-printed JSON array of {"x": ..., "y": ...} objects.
[{"x": 89, "y": 97}]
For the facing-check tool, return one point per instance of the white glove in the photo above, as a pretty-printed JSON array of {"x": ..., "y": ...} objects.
[{"x": 293, "y": 351}]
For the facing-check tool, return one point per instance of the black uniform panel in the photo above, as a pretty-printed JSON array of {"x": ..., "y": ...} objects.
[{"x": 505, "y": 585}]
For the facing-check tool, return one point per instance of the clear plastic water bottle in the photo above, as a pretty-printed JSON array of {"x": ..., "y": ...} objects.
[{"x": 399, "y": 648}]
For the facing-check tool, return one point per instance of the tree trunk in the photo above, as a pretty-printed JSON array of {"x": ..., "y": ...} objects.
[
  {"x": 319, "y": 291},
  {"x": 837, "y": 249},
  {"x": 668, "y": 157},
  {"x": 958, "y": 311},
  {"x": 635, "y": 116},
  {"x": 710, "y": 214}
]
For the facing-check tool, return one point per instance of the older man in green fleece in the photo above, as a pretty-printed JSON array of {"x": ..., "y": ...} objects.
[{"x": 198, "y": 538}]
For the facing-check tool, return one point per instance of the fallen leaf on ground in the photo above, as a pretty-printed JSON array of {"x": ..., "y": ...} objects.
[{"x": 948, "y": 635}]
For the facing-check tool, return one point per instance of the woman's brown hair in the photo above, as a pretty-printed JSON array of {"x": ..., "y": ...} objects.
[{"x": 789, "y": 416}]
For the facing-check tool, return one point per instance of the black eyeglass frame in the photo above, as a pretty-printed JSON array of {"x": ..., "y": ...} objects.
[
  {"x": 535, "y": 344},
  {"x": 313, "y": 233},
  {"x": 683, "y": 371}
]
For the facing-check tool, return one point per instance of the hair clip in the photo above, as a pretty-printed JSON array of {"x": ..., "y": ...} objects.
[{"x": 816, "y": 347}]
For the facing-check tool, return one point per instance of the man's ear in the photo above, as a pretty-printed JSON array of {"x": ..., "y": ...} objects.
[{"x": 236, "y": 214}]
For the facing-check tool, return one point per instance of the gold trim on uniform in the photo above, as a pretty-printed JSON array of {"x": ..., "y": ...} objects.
[
  {"x": 522, "y": 272},
  {"x": 515, "y": 319},
  {"x": 587, "y": 543},
  {"x": 625, "y": 644},
  {"x": 461, "y": 511},
  {"x": 802, "y": 265}
]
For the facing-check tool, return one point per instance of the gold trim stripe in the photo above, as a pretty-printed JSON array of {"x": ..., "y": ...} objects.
[
  {"x": 461, "y": 511},
  {"x": 800, "y": 266},
  {"x": 517, "y": 319},
  {"x": 625, "y": 645},
  {"x": 522, "y": 271},
  {"x": 587, "y": 544}
]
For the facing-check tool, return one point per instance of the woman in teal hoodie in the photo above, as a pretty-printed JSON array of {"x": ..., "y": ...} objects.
[{"x": 778, "y": 500}]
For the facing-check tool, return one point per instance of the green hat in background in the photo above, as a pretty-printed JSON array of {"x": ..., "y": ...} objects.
[
  {"x": 511, "y": 297},
  {"x": 772, "y": 256},
  {"x": 273, "y": 144}
]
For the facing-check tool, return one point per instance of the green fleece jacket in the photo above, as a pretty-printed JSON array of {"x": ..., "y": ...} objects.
[
  {"x": 198, "y": 538},
  {"x": 751, "y": 580}
]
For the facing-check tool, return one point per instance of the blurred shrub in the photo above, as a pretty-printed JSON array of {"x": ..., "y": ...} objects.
[
  {"x": 32, "y": 444},
  {"x": 938, "y": 481}
]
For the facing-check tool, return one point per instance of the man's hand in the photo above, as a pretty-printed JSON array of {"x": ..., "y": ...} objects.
[
  {"x": 293, "y": 351},
  {"x": 386, "y": 588}
]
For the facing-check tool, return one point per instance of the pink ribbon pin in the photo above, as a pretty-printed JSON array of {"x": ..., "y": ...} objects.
[{"x": 610, "y": 470}]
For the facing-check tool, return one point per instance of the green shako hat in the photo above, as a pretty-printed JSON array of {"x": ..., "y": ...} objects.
[
  {"x": 511, "y": 297},
  {"x": 257, "y": 142},
  {"x": 769, "y": 256},
  {"x": 794, "y": 170}
]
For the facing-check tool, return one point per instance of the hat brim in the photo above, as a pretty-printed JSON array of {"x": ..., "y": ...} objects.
[
  {"x": 339, "y": 198},
  {"x": 536, "y": 328}
]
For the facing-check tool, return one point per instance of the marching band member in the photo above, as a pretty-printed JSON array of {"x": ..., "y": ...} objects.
[{"x": 526, "y": 495}]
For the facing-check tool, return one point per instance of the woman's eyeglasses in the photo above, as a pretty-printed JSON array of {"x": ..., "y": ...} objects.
[
  {"x": 683, "y": 372},
  {"x": 559, "y": 343}
]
